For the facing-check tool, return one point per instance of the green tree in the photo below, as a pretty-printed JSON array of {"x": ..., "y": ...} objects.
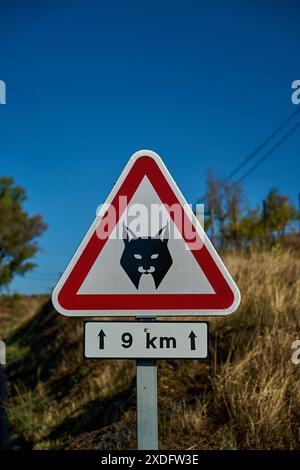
[
  {"x": 252, "y": 228},
  {"x": 279, "y": 214},
  {"x": 18, "y": 232}
]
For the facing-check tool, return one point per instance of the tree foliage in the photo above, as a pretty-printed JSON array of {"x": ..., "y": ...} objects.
[
  {"x": 234, "y": 224},
  {"x": 279, "y": 213},
  {"x": 18, "y": 232}
]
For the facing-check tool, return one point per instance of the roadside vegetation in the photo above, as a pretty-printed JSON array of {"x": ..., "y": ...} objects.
[{"x": 246, "y": 397}]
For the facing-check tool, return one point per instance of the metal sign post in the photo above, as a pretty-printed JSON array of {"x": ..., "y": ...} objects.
[
  {"x": 146, "y": 401},
  {"x": 146, "y": 394}
]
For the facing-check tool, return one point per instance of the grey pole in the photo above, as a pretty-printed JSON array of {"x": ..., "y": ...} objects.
[{"x": 146, "y": 393}]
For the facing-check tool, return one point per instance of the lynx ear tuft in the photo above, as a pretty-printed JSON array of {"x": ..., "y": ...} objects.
[
  {"x": 163, "y": 234},
  {"x": 128, "y": 234}
]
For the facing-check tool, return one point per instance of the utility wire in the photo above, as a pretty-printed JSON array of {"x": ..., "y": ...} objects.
[
  {"x": 266, "y": 155},
  {"x": 262, "y": 145}
]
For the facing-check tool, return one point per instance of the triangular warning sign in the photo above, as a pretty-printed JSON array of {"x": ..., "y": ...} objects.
[{"x": 145, "y": 254}]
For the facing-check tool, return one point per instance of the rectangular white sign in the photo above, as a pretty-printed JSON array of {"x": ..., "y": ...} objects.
[{"x": 146, "y": 340}]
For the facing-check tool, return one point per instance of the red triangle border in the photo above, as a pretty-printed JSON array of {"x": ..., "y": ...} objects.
[{"x": 68, "y": 298}]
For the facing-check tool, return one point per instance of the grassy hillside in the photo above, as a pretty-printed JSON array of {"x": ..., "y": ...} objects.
[{"x": 246, "y": 397}]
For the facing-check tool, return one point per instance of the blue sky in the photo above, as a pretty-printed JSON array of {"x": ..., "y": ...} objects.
[{"x": 90, "y": 82}]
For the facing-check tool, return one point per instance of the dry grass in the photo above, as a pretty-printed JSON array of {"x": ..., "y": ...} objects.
[
  {"x": 257, "y": 393},
  {"x": 254, "y": 400},
  {"x": 247, "y": 397}
]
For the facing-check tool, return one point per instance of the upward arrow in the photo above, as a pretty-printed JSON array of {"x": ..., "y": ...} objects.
[
  {"x": 192, "y": 337},
  {"x": 101, "y": 339}
]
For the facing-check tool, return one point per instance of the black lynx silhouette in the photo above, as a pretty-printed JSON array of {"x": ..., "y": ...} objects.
[{"x": 146, "y": 255}]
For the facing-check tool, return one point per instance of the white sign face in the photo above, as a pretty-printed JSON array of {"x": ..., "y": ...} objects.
[
  {"x": 146, "y": 340},
  {"x": 146, "y": 254}
]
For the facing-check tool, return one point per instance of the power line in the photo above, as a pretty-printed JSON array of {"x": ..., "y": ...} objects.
[
  {"x": 262, "y": 145},
  {"x": 266, "y": 155}
]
